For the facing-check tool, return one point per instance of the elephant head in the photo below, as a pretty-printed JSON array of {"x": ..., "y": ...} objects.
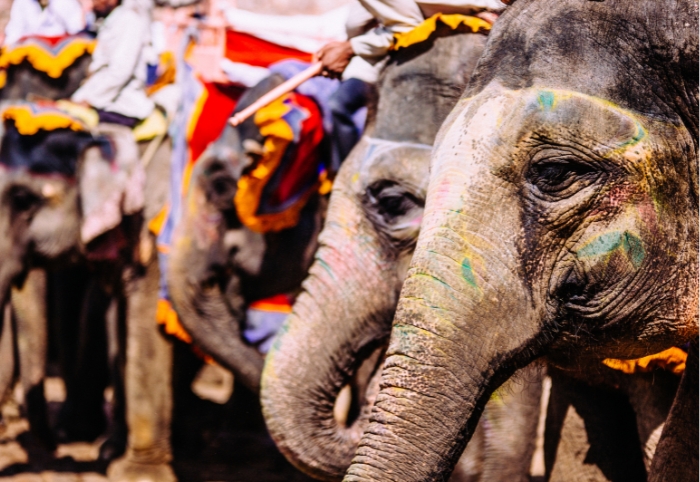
[
  {"x": 341, "y": 321},
  {"x": 561, "y": 220},
  {"x": 62, "y": 197},
  {"x": 218, "y": 265}
]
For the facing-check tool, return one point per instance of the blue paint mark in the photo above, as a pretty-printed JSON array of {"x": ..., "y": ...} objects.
[
  {"x": 638, "y": 136},
  {"x": 609, "y": 242},
  {"x": 546, "y": 100},
  {"x": 325, "y": 266}
]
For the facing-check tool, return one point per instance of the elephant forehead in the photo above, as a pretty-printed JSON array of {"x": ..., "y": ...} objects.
[
  {"x": 486, "y": 128},
  {"x": 399, "y": 161}
]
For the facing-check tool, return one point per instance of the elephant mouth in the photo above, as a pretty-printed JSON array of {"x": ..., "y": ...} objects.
[{"x": 360, "y": 391}]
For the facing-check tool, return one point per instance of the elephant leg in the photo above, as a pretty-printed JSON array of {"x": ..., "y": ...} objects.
[
  {"x": 510, "y": 426},
  {"x": 190, "y": 413},
  {"x": 676, "y": 456},
  {"x": 591, "y": 434},
  {"x": 148, "y": 386},
  {"x": 66, "y": 289},
  {"x": 82, "y": 416},
  {"x": 115, "y": 444},
  {"x": 651, "y": 396},
  {"x": 7, "y": 357},
  {"x": 29, "y": 312}
]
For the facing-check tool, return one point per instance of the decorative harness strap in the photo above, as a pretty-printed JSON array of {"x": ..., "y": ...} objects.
[{"x": 423, "y": 31}]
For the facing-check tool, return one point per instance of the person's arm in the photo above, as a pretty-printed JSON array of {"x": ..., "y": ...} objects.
[
  {"x": 15, "y": 28},
  {"x": 103, "y": 87},
  {"x": 394, "y": 16}
]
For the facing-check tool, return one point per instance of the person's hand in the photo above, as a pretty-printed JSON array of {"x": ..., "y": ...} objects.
[{"x": 335, "y": 56}]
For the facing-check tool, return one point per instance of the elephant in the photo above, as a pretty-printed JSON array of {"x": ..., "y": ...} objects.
[
  {"x": 561, "y": 222},
  {"x": 48, "y": 205},
  {"x": 340, "y": 323},
  {"x": 218, "y": 265}
]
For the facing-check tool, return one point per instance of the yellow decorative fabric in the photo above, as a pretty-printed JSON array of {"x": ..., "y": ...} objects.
[
  {"x": 423, "y": 31},
  {"x": 43, "y": 58},
  {"x": 166, "y": 316},
  {"x": 156, "y": 224},
  {"x": 30, "y": 118},
  {"x": 154, "y": 125},
  {"x": 672, "y": 360},
  {"x": 325, "y": 184},
  {"x": 166, "y": 72},
  {"x": 278, "y": 134},
  {"x": 87, "y": 115}
]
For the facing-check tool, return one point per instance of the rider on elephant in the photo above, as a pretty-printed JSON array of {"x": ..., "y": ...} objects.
[
  {"x": 371, "y": 29},
  {"x": 115, "y": 88},
  {"x": 48, "y": 18},
  {"x": 117, "y": 75},
  {"x": 396, "y": 17}
]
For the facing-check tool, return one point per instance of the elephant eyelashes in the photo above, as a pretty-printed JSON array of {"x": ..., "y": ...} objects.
[
  {"x": 22, "y": 199},
  {"x": 561, "y": 178},
  {"x": 390, "y": 201},
  {"x": 395, "y": 213}
]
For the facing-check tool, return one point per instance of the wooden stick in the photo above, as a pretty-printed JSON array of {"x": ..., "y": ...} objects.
[{"x": 276, "y": 93}]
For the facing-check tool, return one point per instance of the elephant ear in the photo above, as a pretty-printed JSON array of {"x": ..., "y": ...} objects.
[{"x": 111, "y": 181}]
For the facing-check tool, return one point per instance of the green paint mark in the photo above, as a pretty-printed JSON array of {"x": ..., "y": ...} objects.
[
  {"x": 638, "y": 136},
  {"x": 467, "y": 272},
  {"x": 609, "y": 242},
  {"x": 325, "y": 266},
  {"x": 546, "y": 99},
  {"x": 277, "y": 342},
  {"x": 634, "y": 249}
]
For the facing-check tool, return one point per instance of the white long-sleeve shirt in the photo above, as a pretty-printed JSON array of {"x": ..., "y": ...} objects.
[
  {"x": 359, "y": 22},
  {"x": 117, "y": 74},
  {"x": 398, "y": 16},
  {"x": 60, "y": 17}
]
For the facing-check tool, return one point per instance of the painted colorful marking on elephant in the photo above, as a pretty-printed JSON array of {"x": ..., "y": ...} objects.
[{"x": 607, "y": 243}]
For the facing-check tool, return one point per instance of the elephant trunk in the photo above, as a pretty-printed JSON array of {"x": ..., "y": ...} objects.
[
  {"x": 315, "y": 356},
  {"x": 207, "y": 314},
  {"x": 466, "y": 320},
  {"x": 214, "y": 326}
]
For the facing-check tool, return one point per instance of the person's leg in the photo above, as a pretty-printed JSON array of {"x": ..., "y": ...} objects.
[{"x": 352, "y": 95}]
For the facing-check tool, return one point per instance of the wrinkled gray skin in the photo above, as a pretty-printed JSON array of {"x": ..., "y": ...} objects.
[
  {"x": 561, "y": 220},
  {"x": 218, "y": 266},
  {"x": 341, "y": 321},
  {"x": 42, "y": 218}
]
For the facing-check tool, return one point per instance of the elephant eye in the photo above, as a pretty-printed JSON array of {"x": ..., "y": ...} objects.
[
  {"x": 22, "y": 199},
  {"x": 561, "y": 178},
  {"x": 391, "y": 201},
  {"x": 394, "y": 210}
]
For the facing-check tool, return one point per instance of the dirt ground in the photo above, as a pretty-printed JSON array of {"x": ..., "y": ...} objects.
[{"x": 228, "y": 454}]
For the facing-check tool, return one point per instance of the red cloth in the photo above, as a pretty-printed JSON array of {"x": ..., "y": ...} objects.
[
  {"x": 244, "y": 48},
  {"x": 50, "y": 41},
  {"x": 219, "y": 105}
]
